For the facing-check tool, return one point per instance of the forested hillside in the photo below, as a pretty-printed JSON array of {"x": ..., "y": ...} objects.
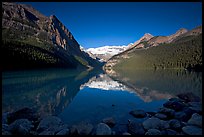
[{"x": 183, "y": 53}]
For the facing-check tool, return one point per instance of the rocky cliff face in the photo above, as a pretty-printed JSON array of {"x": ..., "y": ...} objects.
[
  {"x": 23, "y": 23},
  {"x": 22, "y": 17},
  {"x": 138, "y": 44}
]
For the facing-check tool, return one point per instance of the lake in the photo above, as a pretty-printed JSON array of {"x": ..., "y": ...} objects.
[{"x": 93, "y": 95}]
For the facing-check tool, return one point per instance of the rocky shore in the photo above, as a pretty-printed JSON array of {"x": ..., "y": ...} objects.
[{"x": 178, "y": 116}]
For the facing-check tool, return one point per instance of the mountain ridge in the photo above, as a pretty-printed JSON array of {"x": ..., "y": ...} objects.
[{"x": 22, "y": 23}]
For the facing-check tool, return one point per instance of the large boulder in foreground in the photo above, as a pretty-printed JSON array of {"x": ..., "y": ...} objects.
[
  {"x": 49, "y": 122},
  {"x": 195, "y": 120},
  {"x": 192, "y": 130},
  {"x": 155, "y": 123},
  {"x": 103, "y": 129}
]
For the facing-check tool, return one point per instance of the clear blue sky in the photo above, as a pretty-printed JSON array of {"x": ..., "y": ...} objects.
[{"x": 95, "y": 24}]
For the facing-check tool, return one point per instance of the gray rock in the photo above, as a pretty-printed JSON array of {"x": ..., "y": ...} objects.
[
  {"x": 5, "y": 129},
  {"x": 155, "y": 123},
  {"x": 113, "y": 133},
  {"x": 126, "y": 133},
  {"x": 49, "y": 122},
  {"x": 164, "y": 124},
  {"x": 196, "y": 120},
  {"x": 195, "y": 104},
  {"x": 192, "y": 130},
  {"x": 189, "y": 97},
  {"x": 135, "y": 128},
  {"x": 47, "y": 132},
  {"x": 167, "y": 111},
  {"x": 4, "y": 118},
  {"x": 138, "y": 113},
  {"x": 177, "y": 106},
  {"x": 63, "y": 132},
  {"x": 21, "y": 126},
  {"x": 161, "y": 116},
  {"x": 73, "y": 130},
  {"x": 109, "y": 121},
  {"x": 6, "y": 133},
  {"x": 103, "y": 129},
  {"x": 84, "y": 128},
  {"x": 153, "y": 132},
  {"x": 151, "y": 123},
  {"x": 181, "y": 116},
  {"x": 175, "y": 124},
  {"x": 170, "y": 132},
  {"x": 120, "y": 129}
]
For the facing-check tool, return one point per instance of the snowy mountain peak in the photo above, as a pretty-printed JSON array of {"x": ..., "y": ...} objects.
[{"x": 106, "y": 52}]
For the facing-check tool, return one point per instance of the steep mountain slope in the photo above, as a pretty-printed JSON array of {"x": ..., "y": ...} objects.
[
  {"x": 184, "y": 51},
  {"x": 46, "y": 37}
]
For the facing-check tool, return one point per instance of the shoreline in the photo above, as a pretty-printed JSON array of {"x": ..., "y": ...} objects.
[{"x": 178, "y": 116}]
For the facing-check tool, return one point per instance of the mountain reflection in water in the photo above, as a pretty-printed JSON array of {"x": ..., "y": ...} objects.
[{"x": 93, "y": 95}]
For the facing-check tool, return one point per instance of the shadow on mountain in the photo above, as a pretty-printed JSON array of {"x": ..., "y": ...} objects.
[{"x": 47, "y": 90}]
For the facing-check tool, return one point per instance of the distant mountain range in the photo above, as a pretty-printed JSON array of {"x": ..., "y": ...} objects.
[
  {"x": 180, "y": 50},
  {"x": 104, "y": 53},
  {"x": 31, "y": 39}
]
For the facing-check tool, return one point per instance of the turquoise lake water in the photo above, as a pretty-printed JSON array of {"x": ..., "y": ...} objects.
[{"x": 92, "y": 95}]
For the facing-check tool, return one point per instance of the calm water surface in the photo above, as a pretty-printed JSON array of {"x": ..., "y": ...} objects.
[{"x": 91, "y": 95}]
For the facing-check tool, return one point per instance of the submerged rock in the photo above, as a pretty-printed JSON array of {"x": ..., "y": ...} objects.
[
  {"x": 153, "y": 132},
  {"x": 135, "y": 128},
  {"x": 109, "y": 121},
  {"x": 195, "y": 120},
  {"x": 138, "y": 113},
  {"x": 103, "y": 129},
  {"x": 192, "y": 130}
]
